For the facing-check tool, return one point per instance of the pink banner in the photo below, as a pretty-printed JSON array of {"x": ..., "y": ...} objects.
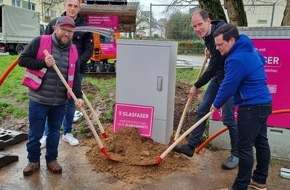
[
  {"x": 108, "y": 48},
  {"x": 103, "y": 21},
  {"x": 277, "y": 70},
  {"x": 138, "y": 116}
]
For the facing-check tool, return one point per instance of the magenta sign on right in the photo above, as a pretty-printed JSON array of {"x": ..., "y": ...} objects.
[{"x": 276, "y": 52}]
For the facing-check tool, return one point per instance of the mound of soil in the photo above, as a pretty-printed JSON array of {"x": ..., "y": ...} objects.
[{"x": 136, "y": 156}]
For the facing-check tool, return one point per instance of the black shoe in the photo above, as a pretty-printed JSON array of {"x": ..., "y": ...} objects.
[
  {"x": 184, "y": 149},
  {"x": 231, "y": 162}
]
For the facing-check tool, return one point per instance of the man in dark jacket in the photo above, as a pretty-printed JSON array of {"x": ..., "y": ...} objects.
[
  {"x": 84, "y": 44},
  {"x": 48, "y": 96},
  {"x": 214, "y": 74},
  {"x": 246, "y": 80}
]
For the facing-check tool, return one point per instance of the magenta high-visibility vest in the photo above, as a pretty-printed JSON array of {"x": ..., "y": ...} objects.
[{"x": 33, "y": 78}]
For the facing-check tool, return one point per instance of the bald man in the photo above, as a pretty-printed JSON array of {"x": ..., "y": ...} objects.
[{"x": 204, "y": 27}]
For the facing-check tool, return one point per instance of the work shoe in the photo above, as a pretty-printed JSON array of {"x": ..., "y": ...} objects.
[
  {"x": 258, "y": 186},
  {"x": 54, "y": 167},
  {"x": 230, "y": 163},
  {"x": 184, "y": 149},
  {"x": 70, "y": 139},
  {"x": 43, "y": 141},
  {"x": 31, "y": 167}
]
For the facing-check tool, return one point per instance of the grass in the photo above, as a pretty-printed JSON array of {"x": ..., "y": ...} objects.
[
  {"x": 13, "y": 95},
  {"x": 14, "y": 98}
]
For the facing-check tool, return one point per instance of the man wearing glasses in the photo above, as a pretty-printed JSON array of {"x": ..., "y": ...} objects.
[
  {"x": 47, "y": 94},
  {"x": 84, "y": 44}
]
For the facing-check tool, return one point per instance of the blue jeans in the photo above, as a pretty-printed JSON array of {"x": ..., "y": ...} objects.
[
  {"x": 37, "y": 118},
  {"x": 69, "y": 114},
  {"x": 228, "y": 116},
  {"x": 252, "y": 127}
]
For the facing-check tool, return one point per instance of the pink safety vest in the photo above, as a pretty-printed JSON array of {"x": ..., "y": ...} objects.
[{"x": 33, "y": 78}]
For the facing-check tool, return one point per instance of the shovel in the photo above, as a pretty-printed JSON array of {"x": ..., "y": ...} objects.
[
  {"x": 161, "y": 157},
  {"x": 99, "y": 142},
  {"x": 104, "y": 134},
  {"x": 188, "y": 102}
]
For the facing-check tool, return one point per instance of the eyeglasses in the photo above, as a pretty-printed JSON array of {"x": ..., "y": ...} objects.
[
  {"x": 64, "y": 30},
  {"x": 220, "y": 44}
]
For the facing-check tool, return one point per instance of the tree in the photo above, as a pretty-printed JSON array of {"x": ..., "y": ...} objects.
[
  {"x": 215, "y": 9},
  {"x": 235, "y": 9},
  {"x": 286, "y": 17},
  {"x": 178, "y": 27},
  {"x": 236, "y": 12}
]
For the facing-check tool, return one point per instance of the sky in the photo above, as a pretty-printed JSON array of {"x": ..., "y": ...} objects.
[
  {"x": 146, "y": 3},
  {"x": 146, "y": 6},
  {"x": 158, "y": 10}
]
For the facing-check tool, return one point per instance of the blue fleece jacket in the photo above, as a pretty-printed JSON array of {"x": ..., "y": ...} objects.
[{"x": 245, "y": 76}]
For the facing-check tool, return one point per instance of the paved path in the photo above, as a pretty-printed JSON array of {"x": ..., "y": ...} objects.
[
  {"x": 189, "y": 61},
  {"x": 78, "y": 174}
]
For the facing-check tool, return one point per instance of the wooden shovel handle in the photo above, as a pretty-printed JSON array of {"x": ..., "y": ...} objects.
[
  {"x": 188, "y": 102},
  {"x": 95, "y": 116},
  {"x": 185, "y": 134},
  {"x": 99, "y": 142}
]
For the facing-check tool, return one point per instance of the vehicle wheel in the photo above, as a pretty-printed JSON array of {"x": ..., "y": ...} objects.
[{"x": 19, "y": 48}]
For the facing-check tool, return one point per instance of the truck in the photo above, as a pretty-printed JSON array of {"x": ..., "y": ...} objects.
[
  {"x": 117, "y": 15},
  {"x": 18, "y": 26},
  {"x": 104, "y": 54}
]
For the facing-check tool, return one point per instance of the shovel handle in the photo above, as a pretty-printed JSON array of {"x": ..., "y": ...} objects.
[
  {"x": 95, "y": 116},
  {"x": 99, "y": 142},
  {"x": 189, "y": 101},
  {"x": 201, "y": 69},
  {"x": 185, "y": 134},
  {"x": 182, "y": 117}
]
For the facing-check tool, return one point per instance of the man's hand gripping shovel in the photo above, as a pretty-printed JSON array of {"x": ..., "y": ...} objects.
[{"x": 99, "y": 142}]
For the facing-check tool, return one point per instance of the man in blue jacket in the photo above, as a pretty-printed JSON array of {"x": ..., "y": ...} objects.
[{"x": 245, "y": 79}]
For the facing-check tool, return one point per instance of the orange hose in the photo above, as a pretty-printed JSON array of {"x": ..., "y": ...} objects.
[
  {"x": 280, "y": 111},
  {"x": 225, "y": 129},
  {"x": 8, "y": 70},
  {"x": 210, "y": 139}
]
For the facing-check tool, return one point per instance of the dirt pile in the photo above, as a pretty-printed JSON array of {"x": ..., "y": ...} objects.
[{"x": 129, "y": 148}]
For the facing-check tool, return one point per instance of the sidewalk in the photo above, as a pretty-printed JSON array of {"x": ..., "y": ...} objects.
[
  {"x": 205, "y": 174},
  {"x": 189, "y": 61}
]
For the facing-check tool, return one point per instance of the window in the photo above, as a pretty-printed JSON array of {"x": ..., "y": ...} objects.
[
  {"x": 16, "y": 3},
  {"x": 260, "y": 21},
  {"x": 32, "y": 6}
]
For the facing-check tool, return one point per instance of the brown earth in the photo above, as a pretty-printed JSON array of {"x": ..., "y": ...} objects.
[{"x": 137, "y": 155}]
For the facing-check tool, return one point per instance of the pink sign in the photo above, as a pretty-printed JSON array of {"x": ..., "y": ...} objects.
[
  {"x": 277, "y": 70},
  {"x": 103, "y": 21},
  {"x": 108, "y": 48},
  {"x": 138, "y": 116}
]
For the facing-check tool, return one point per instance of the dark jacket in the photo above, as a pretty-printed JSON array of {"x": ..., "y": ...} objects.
[
  {"x": 83, "y": 40},
  {"x": 52, "y": 91},
  {"x": 245, "y": 76},
  {"x": 216, "y": 64}
]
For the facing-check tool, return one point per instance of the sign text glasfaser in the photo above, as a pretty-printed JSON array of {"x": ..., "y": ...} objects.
[{"x": 138, "y": 116}]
